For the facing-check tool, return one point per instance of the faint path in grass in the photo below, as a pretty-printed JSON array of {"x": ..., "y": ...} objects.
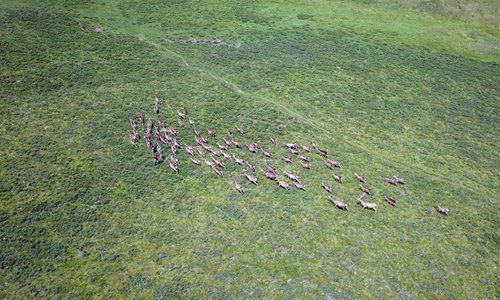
[{"x": 459, "y": 181}]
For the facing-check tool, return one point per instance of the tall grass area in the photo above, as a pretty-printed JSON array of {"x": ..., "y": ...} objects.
[{"x": 84, "y": 215}]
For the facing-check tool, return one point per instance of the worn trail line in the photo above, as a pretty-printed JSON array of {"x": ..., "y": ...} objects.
[{"x": 235, "y": 88}]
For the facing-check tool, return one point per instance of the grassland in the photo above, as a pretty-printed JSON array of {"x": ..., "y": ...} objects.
[{"x": 389, "y": 89}]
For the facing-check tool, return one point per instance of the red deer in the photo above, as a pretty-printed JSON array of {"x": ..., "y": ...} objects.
[
  {"x": 172, "y": 131},
  {"x": 291, "y": 176},
  {"x": 314, "y": 146},
  {"x": 216, "y": 153},
  {"x": 323, "y": 153},
  {"x": 287, "y": 159},
  {"x": 339, "y": 204},
  {"x": 133, "y": 124},
  {"x": 360, "y": 178},
  {"x": 251, "y": 166},
  {"x": 228, "y": 143},
  {"x": 206, "y": 147},
  {"x": 181, "y": 114},
  {"x": 238, "y": 145},
  {"x": 134, "y": 139},
  {"x": 252, "y": 148},
  {"x": 239, "y": 129},
  {"x": 201, "y": 153},
  {"x": 399, "y": 180},
  {"x": 219, "y": 172},
  {"x": 189, "y": 149},
  {"x": 391, "y": 180},
  {"x": 226, "y": 156},
  {"x": 239, "y": 161},
  {"x": 222, "y": 147},
  {"x": 231, "y": 135},
  {"x": 307, "y": 149},
  {"x": 141, "y": 118},
  {"x": 294, "y": 151},
  {"x": 365, "y": 189},
  {"x": 331, "y": 163},
  {"x": 209, "y": 163},
  {"x": 271, "y": 175},
  {"x": 272, "y": 169},
  {"x": 391, "y": 201},
  {"x": 442, "y": 210},
  {"x": 173, "y": 160},
  {"x": 156, "y": 109},
  {"x": 338, "y": 178},
  {"x": 327, "y": 188},
  {"x": 157, "y": 159},
  {"x": 192, "y": 123},
  {"x": 367, "y": 205},
  {"x": 273, "y": 141},
  {"x": 196, "y": 132},
  {"x": 283, "y": 184},
  {"x": 290, "y": 145},
  {"x": 299, "y": 185},
  {"x": 218, "y": 162},
  {"x": 239, "y": 187},
  {"x": 267, "y": 154},
  {"x": 304, "y": 158},
  {"x": 157, "y": 99},
  {"x": 174, "y": 167},
  {"x": 251, "y": 178},
  {"x": 194, "y": 160},
  {"x": 306, "y": 165},
  {"x": 210, "y": 132}
]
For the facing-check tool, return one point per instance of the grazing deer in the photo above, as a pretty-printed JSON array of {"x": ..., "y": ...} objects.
[
  {"x": 267, "y": 154},
  {"x": 339, "y": 204},
  {"x": 314, "y": 146},
  {"x": 306, "y": 165},
  {"x": 272, "y": 169},
  {"x": 291, "y": 176},
  {"x": 197, "y": 132},
  {"x": 239, "y": 161},
  {"x": 239, "y": 129},
  {"x": 181, "y": 114},
  {"x": 189, "y": 149},
  {"x": 216, "y": 153},
  {"x": 141, "y": 118},
  {"x": 283, "y": 184},
  {"x": 228, "y": 143},
  {"x": 290, "y": 145},
  {"x": 391, "y": 181},
  {"x": 210, "y": 132},
  {"x": 323, "y": 153},
  {"x": 299, "y": 185},
  {"x": 251, "y": 178},
  {"x": 273, "y": 141},
  {"x": 158, "y": 158},
  {"x": 219, "y": 172},
  {"x": 192, "y": 123},
  {"x": 367, "y": 205},
  {"x": 133, "y": 124},
  {"x": 304, "y": 158},
  {"x": 365, "y": 189},
  {"x": 201, "y": 153},
  {"x": 360, "y": 178},
  {"x": 231, "y": 135},
  {"x": 391, "y": 201},
  {"x": 207, "y": 148},
  {"x": 194, "y": 160},
  {"x": 252, "y": 148},
  {"x": 327, "y": 188},
  {"x": 442, "y": 209},
  {"x": 156, "y": 109},
  {"x": 332, "y": 163},
  {"x": 222, "y": 147},
  {"x": 305, "y": 148},
  {"x": 294, "y": 151},
  {"x": 174, "y": 167},
  {"x": 287, "y": 159},
  {"x": 338, "y": 178},
  {"x": 251, "y": 166},
  {"x": 238, "y": 145},
  {"x": 157, "y": 100},
  {"x": 239, "y": 187}
]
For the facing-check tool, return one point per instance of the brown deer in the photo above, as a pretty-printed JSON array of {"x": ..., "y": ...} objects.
[
  {"x": 174, "y": 167},
  {"x": 239, "y": 161},
  {"x": 251, "y": 166},
  {"x": 133, "y": 124},
  {"x": 272, "y": 169},
  {"x": 181, "y": 114},
  {"x": 267, "y": 154},
  {"x": 231, "y": 135},
  {"x": 338, "y": 178},
  {"x": 294, "y": 151},
  {"x": 252, "y": 148},
  {"x": 239, "y": 129},
  {"x": 194, "y": 160},
  {"x": 283, "y": 184},
  {"x": 238, "y": 145},
  {"x": 442, "y": 209},
  {"x": 332, "y": 163},
  {"x": 391, "y": 201},
  {"x": 219, "y": 172},
  {"x": 399, "y": 180},
  {"x": 365, "y": 189},
  {"x": 305, "y": 148},
  {"x": 141, "y": 118},
  {"x": 157, "y": 99},
  {"x": 339, "y": 204},
  {"x": 158, "y": 158},
  {"x": 218, "y": 162},
  {"x": 291, "y": 176},
  {"x": 251, "y": 178},
  {"x": 239, "y": 187},
  {"x": 271, "y": 175},
  {"x": 222, "y": 147},
  {"x": 197, "y": 132},
  {"x": 323, "y": 153},
  {"x": 209, "y": 163},
  {"x": 304, "y": 158},
  {"x": 391, "y": 181},
  {"x": 134, "y": 139},
  {"x": 189, "y": 149},
  {"x": 192, "y": 123},
  {"x": 210, "y": 132},
  {"x": 360, "y": 178},
  {"x": 327, "y": 188},
  {"x": 290, "y": 145},
  {"x": 314, "y": 146},
  {"x": 367, "y": 205},
  {"x": 227, "y": 156},
  {"x": 156, "y": 109},
  {"x": 273, "y": 141},
  {"x": 306, "y": 165},
  {"x": 299, "y": 185},
  {"x": 228, "y": 143},
  {"x": 287, "y": 159}
]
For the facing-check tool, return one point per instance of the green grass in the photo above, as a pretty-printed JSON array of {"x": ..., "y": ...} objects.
[{"x": 85, "y": 215}]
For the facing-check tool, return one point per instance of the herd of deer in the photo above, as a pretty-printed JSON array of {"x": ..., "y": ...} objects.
[{"x": 158, "y": 134}]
